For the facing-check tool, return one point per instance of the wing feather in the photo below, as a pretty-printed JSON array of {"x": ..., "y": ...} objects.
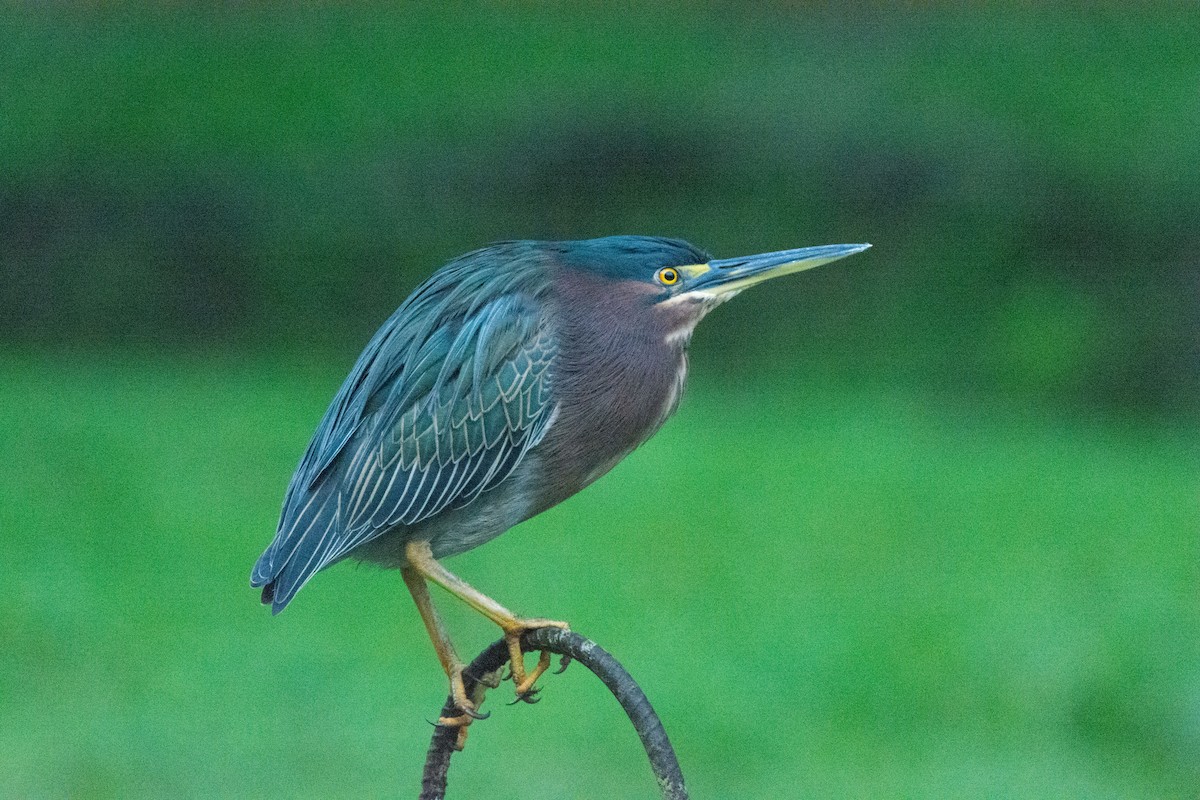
[{"x": 442, "y": 405}]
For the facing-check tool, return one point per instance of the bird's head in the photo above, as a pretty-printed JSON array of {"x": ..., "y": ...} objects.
[{"x": 676, "y": 283}]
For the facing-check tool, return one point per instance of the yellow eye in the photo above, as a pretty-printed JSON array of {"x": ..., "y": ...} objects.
[{"x": 668, "y": 276}]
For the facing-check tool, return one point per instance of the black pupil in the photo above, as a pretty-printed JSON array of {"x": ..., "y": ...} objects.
[{"x": 669, "y": 275}]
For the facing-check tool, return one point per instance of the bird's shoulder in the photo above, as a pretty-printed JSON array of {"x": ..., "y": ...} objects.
[
  {"x": 442, "y": 405},
  {"x": 456, "y": 351}
]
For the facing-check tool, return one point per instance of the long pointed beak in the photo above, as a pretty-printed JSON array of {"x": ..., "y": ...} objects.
[{"x": 728, "y": 275}]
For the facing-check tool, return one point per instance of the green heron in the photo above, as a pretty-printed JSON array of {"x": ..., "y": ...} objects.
[{"x": 511, "y": 379}]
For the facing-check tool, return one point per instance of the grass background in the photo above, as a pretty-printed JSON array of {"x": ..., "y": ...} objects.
[
  {"x": 826, "y": 592},
  {"x": 926, "y": 525}
]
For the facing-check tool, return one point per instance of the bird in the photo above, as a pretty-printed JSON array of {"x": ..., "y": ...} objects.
[{"x": 512, "y": 378}]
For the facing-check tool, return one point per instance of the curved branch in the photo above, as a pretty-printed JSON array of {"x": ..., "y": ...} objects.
[{"x": 571, "y": 645}]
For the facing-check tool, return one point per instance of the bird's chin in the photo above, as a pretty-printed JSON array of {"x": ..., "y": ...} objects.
[
  {"x": 704, "y": 299},
  {"x": 686, "y": 310}
]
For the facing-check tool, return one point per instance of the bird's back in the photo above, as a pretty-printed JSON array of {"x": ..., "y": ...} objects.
[{"x": 442, "y": 405}]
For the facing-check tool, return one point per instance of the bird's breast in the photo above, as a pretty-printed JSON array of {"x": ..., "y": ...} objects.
[{"x": 615, "y": 390}]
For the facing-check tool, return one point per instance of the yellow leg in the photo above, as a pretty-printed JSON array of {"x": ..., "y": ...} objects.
[
  {"x": 421, "y": 561},
  {"x": 451, "y": 663}
]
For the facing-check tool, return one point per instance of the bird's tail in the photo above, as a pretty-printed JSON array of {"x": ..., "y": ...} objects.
[
  {"x": 302, "y": 546},
  {"x": 268, "y": 593}
]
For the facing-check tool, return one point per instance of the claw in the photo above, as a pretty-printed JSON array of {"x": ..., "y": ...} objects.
[
  {"x": 516, "y": 656},
  {"x": 562, "y": 665},
  {"x": 529, "y": 697},
  {"x": 526, "y": 685},
  {"x": 465, "y": 706},
  {"x": 473, "y": 714}
]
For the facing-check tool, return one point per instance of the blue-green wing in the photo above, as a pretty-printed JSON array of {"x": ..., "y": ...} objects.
[{"x": 445, "y": 401}]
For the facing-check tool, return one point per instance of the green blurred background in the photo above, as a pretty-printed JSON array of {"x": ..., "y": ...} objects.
[{"x": 926, "y": 525}]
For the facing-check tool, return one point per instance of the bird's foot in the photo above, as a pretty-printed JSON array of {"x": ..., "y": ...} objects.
[
  {"x": 522, "y": 680},
  {"x": 467, "y": 706}
]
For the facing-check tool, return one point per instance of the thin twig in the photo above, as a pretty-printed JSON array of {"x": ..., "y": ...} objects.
[{"x": 570, "y": 645}]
